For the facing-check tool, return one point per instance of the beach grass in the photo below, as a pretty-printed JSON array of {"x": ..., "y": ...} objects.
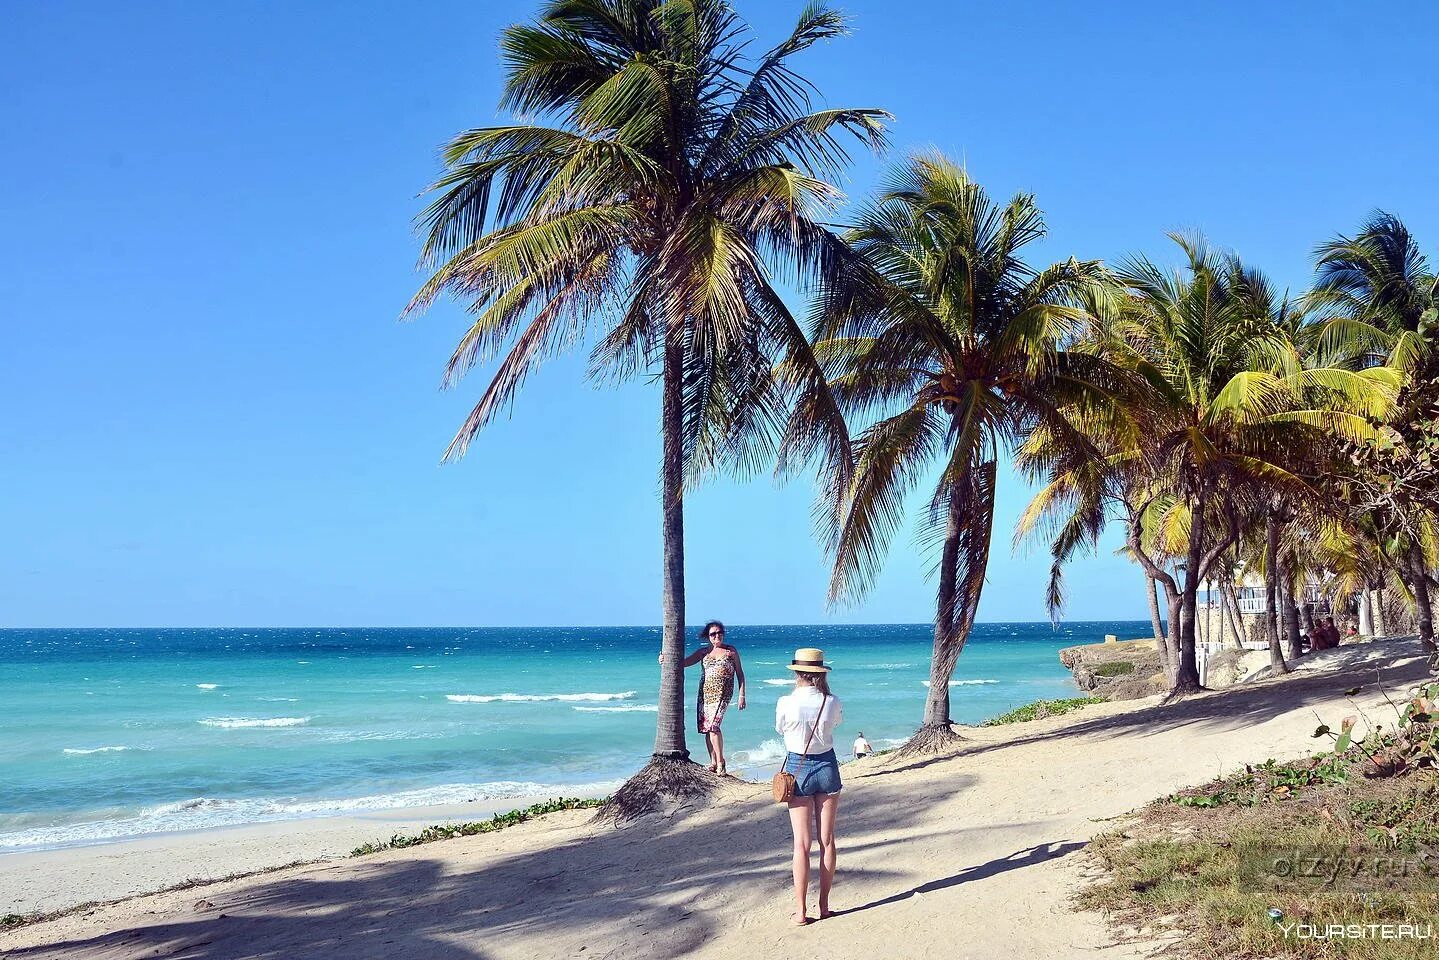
[
  {"x": 1265, "y": 862},
  {"x": 1040, "y": 709},
  {"x": 448, "y": 831}
]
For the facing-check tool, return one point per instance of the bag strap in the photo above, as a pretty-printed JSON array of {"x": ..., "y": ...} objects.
[
  {"x": 810, "y": 738},
  {"x": 815, "y": 726}
]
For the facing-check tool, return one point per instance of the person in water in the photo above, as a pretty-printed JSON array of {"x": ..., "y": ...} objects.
[
  {"x": 721, "y": 670},
  {"x": 806, "y": 718}
]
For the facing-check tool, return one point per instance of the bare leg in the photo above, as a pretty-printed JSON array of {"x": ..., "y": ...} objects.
[
  {"x": 801, "y": 811},
  {"x": 828, "y": 804},
  {"x": 710, "y": 746},
  {"x": 718, "y": 748}
]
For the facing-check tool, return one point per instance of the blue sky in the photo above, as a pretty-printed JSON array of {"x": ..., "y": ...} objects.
[{"x": 213, "y": 417}]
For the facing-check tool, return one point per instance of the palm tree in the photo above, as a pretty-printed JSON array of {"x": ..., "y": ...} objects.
[
  {"x": 1380, "y": 302},
  {"x": 1229, "y": 412},
  {"x": 670, "y": 175},
  {"x": 959, "y": 347}
]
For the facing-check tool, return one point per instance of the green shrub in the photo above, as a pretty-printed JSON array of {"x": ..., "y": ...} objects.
[
  {"x": 1115, "y": 668},
  {"x": 446, "y": 831},
  {"x": 1040, "y": 709}
]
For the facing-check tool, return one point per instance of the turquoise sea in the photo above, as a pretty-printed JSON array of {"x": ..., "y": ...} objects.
[{"x": 109, "y": 734}]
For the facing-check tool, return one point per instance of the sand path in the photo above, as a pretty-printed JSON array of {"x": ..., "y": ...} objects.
[{"x": 971, "y": 856}]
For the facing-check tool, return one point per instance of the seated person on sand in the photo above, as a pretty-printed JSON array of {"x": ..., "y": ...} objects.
[{"x": 861, "y": 746}]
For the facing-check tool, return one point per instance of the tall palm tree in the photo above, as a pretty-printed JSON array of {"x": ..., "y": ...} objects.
[
  {"x": 655, "y": 179},
  {"x": 1380, "y": 303},
  {"x": 959, "y": 348}
]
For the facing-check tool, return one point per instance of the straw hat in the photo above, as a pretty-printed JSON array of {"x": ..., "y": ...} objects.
[{"x": 809, "y": 660}]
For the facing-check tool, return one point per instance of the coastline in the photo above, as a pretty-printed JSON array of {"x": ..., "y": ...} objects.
[
  {"x": 977, "y": 849},
  {"x": 57, "y": 879}
]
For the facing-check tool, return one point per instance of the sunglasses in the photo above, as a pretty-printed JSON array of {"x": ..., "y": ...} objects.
[{"x": 716, "y": 633}]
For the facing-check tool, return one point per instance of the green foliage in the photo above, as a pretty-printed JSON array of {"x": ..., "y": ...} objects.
[
  {"x": 1115, "y": 668},
  {"x": 1207, "y": 879},
  {"x": 499, "y": 821},
  {"x": 1405, "y": 821},
  {"x": 1268, "y": 782},
  {"x": 13, "y": 920},
  {"x": 1040, "y": 709},
  {"x": 1413, "y": 744}
]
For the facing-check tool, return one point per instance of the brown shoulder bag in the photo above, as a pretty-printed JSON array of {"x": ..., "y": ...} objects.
[{"x": 783, "y": 783}]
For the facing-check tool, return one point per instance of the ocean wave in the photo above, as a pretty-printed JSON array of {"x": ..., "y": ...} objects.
[
  {"x": 963, "y": 683},
  {"x": 207, "y": 686},
  {"x": 279, "y": 699},
  {"x": 536, "y": 697},
  {"x": 79, "y": 752},
  {"x": 626, "y": 708},
  {"x": 423, "y": 666},
  {"x": 770, "y": 751},
  {"x": 782, "y": 682},
  {"x": 884, "y": 666},
  {"x": 233, "y": 723},
  {"x": 201, "y": 813}
]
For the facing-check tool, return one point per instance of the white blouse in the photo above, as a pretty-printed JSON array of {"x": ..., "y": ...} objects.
[{"x": 795, "y": 714}]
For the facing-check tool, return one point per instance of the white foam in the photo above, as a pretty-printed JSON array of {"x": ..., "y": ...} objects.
[
  {"x": 201, "y": 813},
  {"x": 963, "y": 683},
  {"x": 886, "y": 666},
  {"x": 423, "y": 666},
  {"x": 782, "y": 682},
  {"x": 77, "y": 751},
  {"x": 232, "y": 723},
  {"x": 279, "y": 699},
  {"x": 536, "y": 697},
  {"x": 207, "y": 686},
  {"x": 770, "y": 751},
  {"x": 625, "y": 708}
]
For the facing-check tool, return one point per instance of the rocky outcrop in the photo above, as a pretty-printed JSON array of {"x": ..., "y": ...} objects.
[{"x": 1118, "y": 670}]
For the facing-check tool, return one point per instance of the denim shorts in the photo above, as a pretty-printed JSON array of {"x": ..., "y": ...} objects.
[{"x": 813, "y": 773}]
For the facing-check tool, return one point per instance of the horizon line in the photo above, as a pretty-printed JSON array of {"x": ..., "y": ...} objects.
[{"x": 551, "y": 626}]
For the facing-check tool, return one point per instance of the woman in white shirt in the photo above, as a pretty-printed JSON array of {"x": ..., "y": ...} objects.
[{"x": 806, "y": 719}]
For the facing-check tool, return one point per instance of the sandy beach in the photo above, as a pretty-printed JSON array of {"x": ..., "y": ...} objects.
[{"x": 978, "y": 852}]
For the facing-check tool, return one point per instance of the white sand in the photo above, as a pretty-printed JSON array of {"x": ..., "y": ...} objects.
[{"x": 970, "y": 856}]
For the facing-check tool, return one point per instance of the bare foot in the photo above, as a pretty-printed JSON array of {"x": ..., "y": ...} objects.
[
  {"x": 798, "y": 919},
  {"x": 721, "y": 770},
  {"x": 825, "y": 913},
  {"x": 711, "y": 768}
]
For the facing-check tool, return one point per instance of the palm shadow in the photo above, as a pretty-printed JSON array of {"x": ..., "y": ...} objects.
[
  {"x": 1027, "y": 857},
  {"x": 658, "y": 888}
]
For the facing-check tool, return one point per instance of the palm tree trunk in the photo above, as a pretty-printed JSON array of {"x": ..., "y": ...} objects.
[
  {"x": 1289, "y": 610},
  {"x": 1186, "y": 679},
  {"x": 670, "y": 727},
  {"x": 1380, "y": 629},
  {"x": 670, "y": 775},
  {"x": 1161, "y": 642},
  {"x": 1231, "y": 608},
  {"x": 1271, "y": 599},
  {"x": 936, "y": 705},
  {"x": 956, "y": 604},
  {"x": 1419, "y": 583}
]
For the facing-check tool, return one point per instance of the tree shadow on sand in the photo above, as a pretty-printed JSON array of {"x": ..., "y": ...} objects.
[
  {"x": 1232, "y": 708},
  {"x": 656, "y": 888},
  {"x": 1028, "y": 857}
]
